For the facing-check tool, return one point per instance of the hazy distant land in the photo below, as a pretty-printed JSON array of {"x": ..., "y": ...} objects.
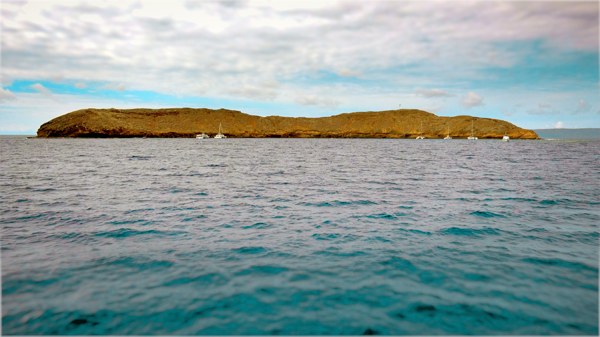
[
  {"x": 188, "y": 122},
  {"x": 588, "y": 133}
]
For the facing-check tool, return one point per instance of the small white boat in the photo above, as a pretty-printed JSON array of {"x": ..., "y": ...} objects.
[
  {"x": 505, "y": 138},
  {"x": 448, "y": 136},
  {"x": 220, "y": 134},
  {"x": 202, "y": 136},
  {"x": 421, "y": 136},
  {"x": 471, "y": 137}
]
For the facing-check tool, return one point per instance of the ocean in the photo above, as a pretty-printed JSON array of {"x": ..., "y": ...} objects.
[
  {"x": 576, "y": 134},
  {"x": 299, "y": 236}
]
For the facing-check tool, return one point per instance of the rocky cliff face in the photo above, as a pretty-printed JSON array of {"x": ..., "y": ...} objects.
[{"x": 187, "y": 122}]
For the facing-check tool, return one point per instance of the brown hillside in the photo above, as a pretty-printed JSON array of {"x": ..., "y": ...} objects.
[{"x": 187, "y": 122}]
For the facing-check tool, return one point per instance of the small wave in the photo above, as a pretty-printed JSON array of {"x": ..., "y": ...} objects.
[
  {"x": 338, "y": 203},
  {"x": 470, "y": 232},
  {"x": 258, "y": 225},
  {"x": 520, "y": 199},
  {"x": 25, "y": 285},
  {"x": 280, "y": 200},
  {"x": 251, "y": 250},
  {"x": 201, "y": 216},
  {"x": 213, "y": 278},
  {"x": 44, "y": 190},
  {"x": 324, "y": 236},
  {"x": 127, "y": 232},
  {"x": 321, "y": 204},
  {"x": 560, "y": 263},
  {"x": 382, "y": 216},
  {"x": 476, "y": 277},
  {"x": 139, "y": 210},
  {"x": 400, "y": 263},
  {"x": 416, "y": 231},
  {"x": 364, "y": 202},
  {"x": 556, "y": 201},
  {"x": 140, "y": 263},
  {"x": 275, "y": 173},
  {"x": 486, "y": 214},
  {"x": 273, "y": 270}
]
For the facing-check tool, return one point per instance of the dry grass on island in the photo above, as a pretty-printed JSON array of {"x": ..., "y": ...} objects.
[{"x": 188, "y": 122}]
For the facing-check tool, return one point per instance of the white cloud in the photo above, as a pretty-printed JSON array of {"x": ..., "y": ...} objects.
[
  {"x": 583, "y": 107},
  {"x": 543, "y": 109},
  {"x": 432, "y": 93},
  {"x": 349, "y": 73},
  {"x": 178, "y": 47},
  {"x": 432, "y": 108},
  {"x": 116, "y": 87},
  {"x": 323, "y": 102},
  {"x": 41, "y": 89},
  {"x": 57, "y": 78},
  {"x": 270, "y": 84},
  {"x": 508, "y": 113},
  {"x": 252, "y": 92},
  {"x": 558, "y": 125},
  {"x": 80, "y": 85},
  {"x": 472, "y": 100},
  {"x": 6, "y": 95},
  {"x": 5, "y": 81}
]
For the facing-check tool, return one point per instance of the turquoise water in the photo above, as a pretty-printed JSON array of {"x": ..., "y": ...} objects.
[{"x": 299, "y": 236}]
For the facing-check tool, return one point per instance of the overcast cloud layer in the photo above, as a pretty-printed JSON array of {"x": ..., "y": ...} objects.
[{"x": 536, "y": 61}]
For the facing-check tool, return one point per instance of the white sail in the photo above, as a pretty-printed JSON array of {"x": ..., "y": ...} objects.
[
  {"x": 421, "y": 136},
  {"x": 448, "y": 136},
  {"x": 220, "y": 134},
  {"x": 472, "y": 137}
]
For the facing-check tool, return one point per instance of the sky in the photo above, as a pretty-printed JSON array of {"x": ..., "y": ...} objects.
[{"x": 532, "y": 63}]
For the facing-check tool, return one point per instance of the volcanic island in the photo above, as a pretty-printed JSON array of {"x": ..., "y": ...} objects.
[{"x": 188, "y": 122}]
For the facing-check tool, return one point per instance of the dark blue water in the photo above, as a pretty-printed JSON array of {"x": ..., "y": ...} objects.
[{"x": 299, "y": 236}]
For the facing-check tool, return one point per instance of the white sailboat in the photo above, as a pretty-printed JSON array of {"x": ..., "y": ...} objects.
[
  {"x": 448, "y": 136},
  {"x": 421, "y": 136},
  {"x": 505, "y": 138},
  {"x": 471, "y": 137},
  {"x": 220, "y": 134},
  {"x": 202, "y": 136}
]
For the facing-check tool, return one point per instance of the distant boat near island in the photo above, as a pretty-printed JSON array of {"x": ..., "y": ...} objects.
[
  {"x": 220, "y": 134},
  {"x": 472, "y": 137},
  {"x": 421, "y": 135},
  {"x": 448, "y": 136}
]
